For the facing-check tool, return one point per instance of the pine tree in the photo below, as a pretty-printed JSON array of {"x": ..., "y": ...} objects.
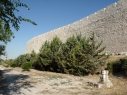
[
  {"x": 50, "y": 54},
  {"x": 44, "y": 56},
  {"x": 22, "y": 59},
  {"x": 78, "y": 55},
  {"x": 83, "y": 55},
  {"x": 96, "y": 55},
  {"x": 33, "y": 58},
  {"x": 74, "y": 54}
]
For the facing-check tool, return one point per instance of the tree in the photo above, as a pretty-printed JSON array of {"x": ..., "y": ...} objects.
[
  {"x": 33, "y": 59},
  {"x": 8, "y": 18},
  {"x": 96, "y": 55},
  {"x": 44, "y": 56},
  {"x": 2, "y": 49},
  {"x": 78, "y": 55},
  {"x": 21, "y": 59},
  {"x": 83, "y": 55},
  {"x": 75, "y": 54},
  {"x": 50, "y": 54}
]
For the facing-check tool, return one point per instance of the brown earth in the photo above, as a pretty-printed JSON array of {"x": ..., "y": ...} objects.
[
  {"x": 112, "y": 58},
  {"x": 13, "y": 81}
]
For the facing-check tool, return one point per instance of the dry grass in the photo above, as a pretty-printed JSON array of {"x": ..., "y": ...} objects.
[
  {"x": 116, "y": 57},
  {"x": 63, "y": 84}
]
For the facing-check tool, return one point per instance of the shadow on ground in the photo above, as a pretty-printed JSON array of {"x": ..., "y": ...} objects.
[{"x": 11, "y": 83}]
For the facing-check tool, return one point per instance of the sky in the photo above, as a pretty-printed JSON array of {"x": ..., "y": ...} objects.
[{"x": 49, "y": 15}]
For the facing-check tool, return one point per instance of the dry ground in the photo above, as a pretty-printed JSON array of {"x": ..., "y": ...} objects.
[{"x": 13, "y": 81}]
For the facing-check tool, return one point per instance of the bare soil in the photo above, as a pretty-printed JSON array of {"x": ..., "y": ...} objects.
[{"x": 14, "y": 81}]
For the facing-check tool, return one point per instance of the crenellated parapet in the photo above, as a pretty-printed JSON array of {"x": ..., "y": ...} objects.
[{"x": 109, "y": 25}]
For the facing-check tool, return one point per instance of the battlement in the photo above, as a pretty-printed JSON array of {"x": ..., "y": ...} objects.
[{"x": 109, "y": 25}]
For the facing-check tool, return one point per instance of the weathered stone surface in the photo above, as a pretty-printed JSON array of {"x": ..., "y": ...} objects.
[
  {"x": 109, "y": 25},
  {"x": 104, "y": 80}
]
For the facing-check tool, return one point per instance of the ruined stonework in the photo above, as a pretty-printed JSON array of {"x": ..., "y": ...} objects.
[
  {"x": 109, "y": 25},
  {"x": 104, "y": 80}
]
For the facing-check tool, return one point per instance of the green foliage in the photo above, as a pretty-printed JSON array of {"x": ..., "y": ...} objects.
[
  {"x": 118, "y": 66},
  {"x": 26, "y": 66},
  {"x": 5, "y": 34},
  {"x": 78, "y": 55},
  {"x": 73, "y": 55},
  {"x": 7, "y": 62},
  {"x": 5, "y": 65},
  {"x": 33, "y": 57},
  {"x": 2, "y": 50},
  {"x": 13, "y": 65},
  {"x": 1, "y": 61},
  {"x": 83, "y": 55},
  {"x": 123, "y": 64},
  {"x": 8, "y": 19},
  {"x": 49, "y": 56},
  {"x": 110, "y": 67},
  {"x": 8, "y": 15},
  {"x": 96, "y": 55},
  {"x": 34, "y": 60},
  {"x": 22, "y": 59}
]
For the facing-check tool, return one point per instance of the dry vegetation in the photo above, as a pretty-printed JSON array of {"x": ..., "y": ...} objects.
[{"x": 16, "y": 82}]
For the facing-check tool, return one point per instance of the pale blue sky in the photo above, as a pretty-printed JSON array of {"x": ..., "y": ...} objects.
[{"x": 49, "y": 15}]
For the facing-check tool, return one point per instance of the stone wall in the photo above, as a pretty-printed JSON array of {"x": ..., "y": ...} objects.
[{"x": 109, "y": 25}]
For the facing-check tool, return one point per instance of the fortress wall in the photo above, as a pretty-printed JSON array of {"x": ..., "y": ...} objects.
[{"x": 109, "y": 25}]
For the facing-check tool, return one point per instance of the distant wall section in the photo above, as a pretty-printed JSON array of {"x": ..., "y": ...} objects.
[{"x": 109, "y": 25}]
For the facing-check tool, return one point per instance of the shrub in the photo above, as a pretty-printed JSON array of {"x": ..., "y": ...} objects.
[
  {"x": 110, "y": 67},
  {"x": 114, "y": 67},
  {"x": 13, "y": 65},
  {"x": 124, "y": 65},
  {"x": 118, "y": 66},
  {"x": 22, "y": 59},
  {"x": 5, "y": 65},
  {"x": 1, "y": 61},
  {"x": 26, "y": 66}
]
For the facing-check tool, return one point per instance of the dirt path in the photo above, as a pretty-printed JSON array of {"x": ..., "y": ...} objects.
[
  {"x": 16, "y": 82},
  {"x": 13, "y": 82}
]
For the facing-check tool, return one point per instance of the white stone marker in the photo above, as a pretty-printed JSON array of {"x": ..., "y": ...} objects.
[{"x": 104, "y": 80}]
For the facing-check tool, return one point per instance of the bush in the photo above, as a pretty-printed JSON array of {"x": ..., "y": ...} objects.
[
  {"x": 13, "y": 65},
  {"x": 124, "y": 65},
  {"x": 5, "y": 65},
  {"x": 119, "y": 66},
  {"x": 22, "y": 59},
  {"x": 114, "y": 67},
  {"x": 1, "y": 61},
  {"x": 26, "y": 66},
  {"x": 110, "y": 67}
]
